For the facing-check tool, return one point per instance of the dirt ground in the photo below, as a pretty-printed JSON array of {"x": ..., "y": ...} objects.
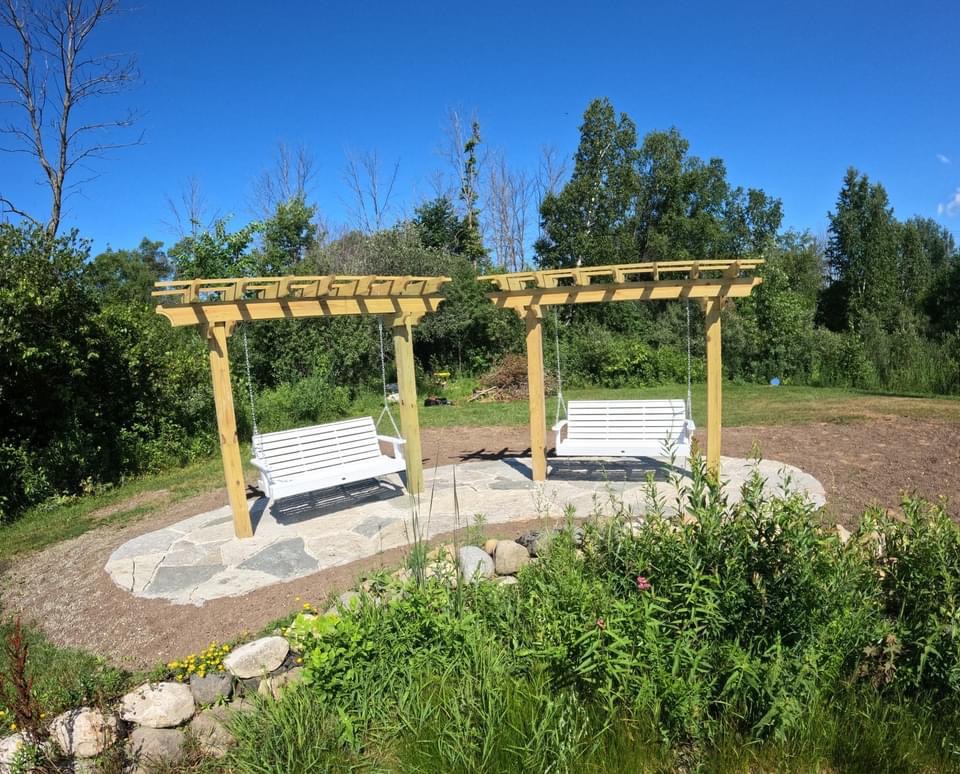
[{"x": 65, "y": 590}]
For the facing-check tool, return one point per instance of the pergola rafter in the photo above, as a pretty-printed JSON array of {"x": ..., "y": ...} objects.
[
  {"x": 711, "y": 282},
  {"x": 217, "y": 305}
]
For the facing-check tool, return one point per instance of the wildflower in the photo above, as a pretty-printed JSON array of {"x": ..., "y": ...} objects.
[
  {"x": 601, "y": 624},
  {"x": 643, "y": 584}
]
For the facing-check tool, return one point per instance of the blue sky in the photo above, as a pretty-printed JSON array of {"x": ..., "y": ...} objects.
[{"x": 787, "y": 94}]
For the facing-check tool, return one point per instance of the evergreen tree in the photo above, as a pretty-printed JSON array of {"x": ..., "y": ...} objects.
[{"x": 862, "y": 253}]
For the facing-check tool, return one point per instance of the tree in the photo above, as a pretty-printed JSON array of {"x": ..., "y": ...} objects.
[
  {"x": 470, "y": 195},
  {"x": 372, "y": 192},
  {"x": 52, "y": 77},
  {"x": 287, "y": 237},
  {"x": 216, "y": 253},
  {"x": 508, "y": 194},
  {"x": 128, "y": 276},
  {"x": 862, "y": 253},
  {"x": 291, "y": 178},
  {"x": 583, "y": 224},
  {"x": 439, "y": 226},
  {"x": 655, "y": 202}
]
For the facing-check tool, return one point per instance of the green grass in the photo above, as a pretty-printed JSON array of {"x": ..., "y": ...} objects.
[
  {"x": 53, "y": 522},
  {"x": 743, "y": 404},
  {"x": 64, "y": 678}
]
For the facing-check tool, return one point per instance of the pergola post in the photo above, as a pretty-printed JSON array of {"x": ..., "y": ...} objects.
[
  {"x": 533, "y": 317},
  {"x": 713, "y": 308},
  {"x": 409, "y": 409},
  {"x": 227, "y": 427}
]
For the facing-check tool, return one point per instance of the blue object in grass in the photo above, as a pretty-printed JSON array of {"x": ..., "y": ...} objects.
[{"x": 775, "y": 381}]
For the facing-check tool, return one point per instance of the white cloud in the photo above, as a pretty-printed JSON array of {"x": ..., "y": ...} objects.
[
  {"x": 951, "y": 207},
  {"x": 943, "y": 158}
]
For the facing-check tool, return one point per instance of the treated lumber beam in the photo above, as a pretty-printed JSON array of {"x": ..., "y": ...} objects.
[
  {"x": 533, "y": 318},
  {"x": 634, "y": 291},
  {"x": 275, "y": 309},
  {"x": 713, "y": 309},
  {"x": 409, "y": 409},
  {"x": 227, "y": 428}
]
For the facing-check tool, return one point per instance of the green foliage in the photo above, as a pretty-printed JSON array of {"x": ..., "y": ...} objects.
[
  {"x": 744, "y": 633},
  {"x": 216, "y": 253},
  {"x": 127, "y": 276},
  {"x": 625, "y": 203},
  {"x": 98, "y": 385}
]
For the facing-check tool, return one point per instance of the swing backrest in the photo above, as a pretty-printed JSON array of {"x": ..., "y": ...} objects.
[
  {"x": 625, "y": 420},
  {"x": 319, "y": 447}
]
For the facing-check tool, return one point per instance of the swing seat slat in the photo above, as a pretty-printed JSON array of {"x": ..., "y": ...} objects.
[
  {"x": 308, "y": 459},
  {"x": 624, "y": 428}
]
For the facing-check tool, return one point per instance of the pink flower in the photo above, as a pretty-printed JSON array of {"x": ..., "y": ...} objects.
[
  {"x": 643, "y": 584},
  {"x": 601, "y": 624}
]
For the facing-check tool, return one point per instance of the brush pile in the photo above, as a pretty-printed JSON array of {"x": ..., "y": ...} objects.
[{"x": 508, "y": 381}]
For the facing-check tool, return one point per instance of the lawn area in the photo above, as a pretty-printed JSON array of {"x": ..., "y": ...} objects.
[{"x": 743, "y": 404}]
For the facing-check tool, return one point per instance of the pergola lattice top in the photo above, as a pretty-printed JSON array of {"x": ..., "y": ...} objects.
[
  {"x": 620, "y": 273},
  {"x": 626, "y": 281},
  {"x": 194, "y": 302}
]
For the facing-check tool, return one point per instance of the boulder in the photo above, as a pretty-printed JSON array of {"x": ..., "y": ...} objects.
[
  {"x": 475, "y": 563},
  {"x": 158, "y": 705},
  {"x": 257, "y": 658},
  {"x": 151, "y": 748},
  {"x": 209, "y": 729},
  {"x": 843, "y": 534},
  {"x": 509, "y": 557},
  {"x": 490, "y": 546},
  {"x": 272, "y": 687},
  {"x": 9, "y": 746},
  {"x": 209, "y": 689},
  {"x": 537, "y": 543},
  {"x": 84, "y": 732}
]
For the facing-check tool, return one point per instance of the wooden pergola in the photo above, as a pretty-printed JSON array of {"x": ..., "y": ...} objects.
[
  {"x": 711, "y": 283},
  {"x": 217, "y": 305}
]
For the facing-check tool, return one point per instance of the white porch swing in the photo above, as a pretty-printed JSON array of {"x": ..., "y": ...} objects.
[
  {"x": 309, "y": 459},
  {"x": 623, "y": 428}
]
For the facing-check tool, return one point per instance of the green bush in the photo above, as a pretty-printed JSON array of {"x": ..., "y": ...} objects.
[{"x": 739, "y": 633}]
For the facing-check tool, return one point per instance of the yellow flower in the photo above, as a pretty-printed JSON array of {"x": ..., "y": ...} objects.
[{"x": 13, "y": 726}]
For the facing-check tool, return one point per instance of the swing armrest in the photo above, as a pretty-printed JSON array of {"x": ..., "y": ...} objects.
[
  {"x": 397, "y": 443},
  {"x": 264, "y": 469},
  {"x": 688, "y": 428},
  {"x": 559, "y": 427}
]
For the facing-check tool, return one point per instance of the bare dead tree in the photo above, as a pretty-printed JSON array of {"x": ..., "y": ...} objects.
[
  {"x": 551, "y": 171},
  {"x": 189, "y": 212},
  {"x": 48, "y": 74},
  {"x": 508, "y": 199},
  {"x": 291, "y": 176},
  {"x": 372, "y": 191}
]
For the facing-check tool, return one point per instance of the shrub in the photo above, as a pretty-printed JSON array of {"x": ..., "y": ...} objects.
[{"x": 741, "y": 622}]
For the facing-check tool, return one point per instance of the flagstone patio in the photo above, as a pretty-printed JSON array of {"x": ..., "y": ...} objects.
[{"x": 199, "y": 558}]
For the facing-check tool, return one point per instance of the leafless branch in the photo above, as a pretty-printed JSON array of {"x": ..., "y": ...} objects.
[
  {"x": 190, "y": 214},
  {"x": 292, "y": 176},
  {"x": 372, "y": 192},
  {"x": 49, "y": 58}
]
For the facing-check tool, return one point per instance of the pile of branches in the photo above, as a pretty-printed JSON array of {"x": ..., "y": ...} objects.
[{"x": 508, "y": 381}]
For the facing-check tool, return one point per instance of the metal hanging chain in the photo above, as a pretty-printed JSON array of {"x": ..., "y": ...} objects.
[
  {"x": 556, "y": 342},
  {"x": 383, "y": 378},
  {"x": 253, "y": 407},
  {"x": 689, "y": 367}
]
